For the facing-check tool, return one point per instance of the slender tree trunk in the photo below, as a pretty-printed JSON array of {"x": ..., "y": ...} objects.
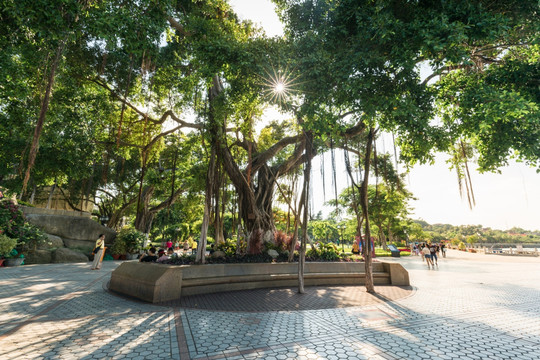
[
  {"x": 364, "y": 203},
  {"x": 382, "y": 236},
  {"x": 307, "y": 173},
  {"x": 173, "y": 178},
  {"x": 239, "y": 236},
  {"x": 218, "y": 216},
  {"x": 51, "y": 193},
  {"x": 34, "y": 188},
  {"x": 89, "y": 188},
  {"x": 42, "y": 114},
  {"x": 140, "y": 209},
  {"x": 201, "y": 249},
  {"x": 297, "y": 214}
]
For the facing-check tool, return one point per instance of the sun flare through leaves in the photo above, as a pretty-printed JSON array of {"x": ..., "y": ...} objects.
[{"x": 279, "y": 86}]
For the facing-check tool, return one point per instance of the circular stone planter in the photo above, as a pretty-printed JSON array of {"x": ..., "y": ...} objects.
[
  {"x": 158, "y": 283},
  {"x": 14, "y": 261}
]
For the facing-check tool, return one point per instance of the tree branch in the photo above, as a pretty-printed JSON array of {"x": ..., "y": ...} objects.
[
  {"x": 177, "y": 26},
  {"x": 440, "y": 71},
  {"x": 269, "y": 153},
  {"x": 171, "y": 200}
]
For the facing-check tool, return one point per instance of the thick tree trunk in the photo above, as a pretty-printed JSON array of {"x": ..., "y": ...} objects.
[
  {"x": 144, "y": 215},
  {"x": 256, "y": 205},
  {"x": 365, "y": 213}
]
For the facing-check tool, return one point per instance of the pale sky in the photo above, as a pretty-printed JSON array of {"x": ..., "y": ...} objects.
[{"x": 503, "y": 201}]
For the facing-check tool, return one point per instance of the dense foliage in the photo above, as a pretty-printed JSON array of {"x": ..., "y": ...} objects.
[
  {"x": 13, "y": 225},
  {"x": 149, "y": 111}
]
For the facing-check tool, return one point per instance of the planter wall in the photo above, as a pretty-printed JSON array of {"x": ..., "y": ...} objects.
[{"x": 158, "y": 283}]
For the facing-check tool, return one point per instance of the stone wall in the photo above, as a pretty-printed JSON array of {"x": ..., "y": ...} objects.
[{"x": 66, "y": 229}]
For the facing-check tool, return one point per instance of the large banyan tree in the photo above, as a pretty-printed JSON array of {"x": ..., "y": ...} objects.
[{"x": 127, "y": 74}]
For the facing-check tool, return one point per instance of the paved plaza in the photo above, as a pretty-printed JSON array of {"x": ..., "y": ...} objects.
[{"x": 473, "y": 306}]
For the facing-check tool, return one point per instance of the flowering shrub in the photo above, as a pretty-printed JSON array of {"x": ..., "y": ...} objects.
[
  {"x": 282, "y": 241},
  {"x": 11, "y": 218}
]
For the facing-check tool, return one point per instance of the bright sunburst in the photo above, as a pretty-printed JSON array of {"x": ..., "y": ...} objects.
[{"x": 278, "y": 86}]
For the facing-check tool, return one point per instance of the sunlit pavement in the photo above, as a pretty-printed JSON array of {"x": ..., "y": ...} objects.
[{"x": 471, "y": 306}]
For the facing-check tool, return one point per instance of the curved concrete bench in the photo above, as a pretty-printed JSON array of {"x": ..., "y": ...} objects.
[{"x": 158, "y": 283}]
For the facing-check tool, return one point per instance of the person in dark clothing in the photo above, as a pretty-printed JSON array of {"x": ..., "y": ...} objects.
[
  {"x": 150, "y": 257},
  {"x": 433, "y": 250}
]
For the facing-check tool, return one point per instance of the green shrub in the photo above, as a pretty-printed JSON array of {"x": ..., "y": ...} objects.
[
  {"x": 29, "y": 238},
  {"x": 132, "y": 239},
  {"x": 381, "y": 252},
  {"x": 119, "y": 247},
  {"x": 228, "y": 247},
  {"x": 14, "y": 225},
  {"x": 6, "y": 244},
  {"x": 325, "y": 252}
]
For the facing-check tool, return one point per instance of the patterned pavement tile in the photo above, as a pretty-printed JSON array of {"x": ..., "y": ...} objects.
[{"x": 472, "y": 306}]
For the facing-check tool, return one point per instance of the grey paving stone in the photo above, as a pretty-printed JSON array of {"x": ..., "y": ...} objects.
[{"x": 477, "y": 310}]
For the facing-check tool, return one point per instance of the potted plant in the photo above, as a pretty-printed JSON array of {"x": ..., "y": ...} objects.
[
  {"x": 133, "y": 240},
  {"x": 119, "y": 248},
  {"x": 7, "y": 244}
]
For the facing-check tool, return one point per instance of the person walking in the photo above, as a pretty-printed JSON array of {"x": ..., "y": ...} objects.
[
  {"x": 98, "y": 252},
  {"x": 427, "y": 254},
  {"x": 433, "y": 252}
]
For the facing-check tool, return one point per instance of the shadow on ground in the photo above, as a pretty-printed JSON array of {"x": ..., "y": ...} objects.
[{"x": 288, "y": 299}]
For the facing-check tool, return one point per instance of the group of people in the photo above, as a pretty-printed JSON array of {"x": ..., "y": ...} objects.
[
  {"x": 430, "y": 253},
  {"x": 159, "y": 257},
  {"x": 186, "y": 246},
  {"x": 152, "y": 255}
]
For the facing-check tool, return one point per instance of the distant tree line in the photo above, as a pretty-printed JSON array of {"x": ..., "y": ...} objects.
[{"x": 473, "y": 234}]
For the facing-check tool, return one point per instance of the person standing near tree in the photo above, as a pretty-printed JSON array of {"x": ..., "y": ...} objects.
[{"x": 98, "y": 252}]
